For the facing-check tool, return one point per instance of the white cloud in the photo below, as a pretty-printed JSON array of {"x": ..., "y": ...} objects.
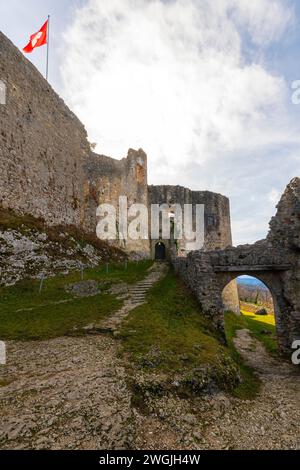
[
  {"x": 274, "y": 196},
  {"x": 265, "y": 20},
  {"x": 171, "y": 77}
]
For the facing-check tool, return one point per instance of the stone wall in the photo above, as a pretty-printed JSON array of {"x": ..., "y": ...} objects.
[
  {"x": 216, "y": 213},
  {"x": 42, "y": 145},
  {"x": 217, "y": 226},
  {"x": 275, "y": 261},
  {"x": 284, "y": 237},
  {"x": 46, "y": 166},
  {"x": 107, "y": 180}
]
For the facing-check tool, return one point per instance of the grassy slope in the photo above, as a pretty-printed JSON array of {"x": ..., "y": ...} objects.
[
  {"x": 47, "y": 319},
  {"x": 172, "y": 323}
]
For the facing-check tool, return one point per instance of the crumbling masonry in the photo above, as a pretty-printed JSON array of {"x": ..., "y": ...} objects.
[
  {"x": 48, "y": 170},
  {"x": 275, "y": 261}
]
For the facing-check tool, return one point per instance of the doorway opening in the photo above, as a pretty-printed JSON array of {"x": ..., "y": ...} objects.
[
  {"x": 257, "y": 312},
  {"x": 160, "y": 251}
]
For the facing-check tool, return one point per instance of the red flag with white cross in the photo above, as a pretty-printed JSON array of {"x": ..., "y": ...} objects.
[{"x": 37, "y": 39}]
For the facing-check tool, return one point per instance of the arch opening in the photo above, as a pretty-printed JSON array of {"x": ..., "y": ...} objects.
[
  {"x": 255, "y": 295},
  {"x": 257, "y": 309},
  {"x": 160, "y": 251}
]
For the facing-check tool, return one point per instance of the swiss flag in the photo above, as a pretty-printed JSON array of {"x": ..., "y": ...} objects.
[{"x": 37, "y": 39}]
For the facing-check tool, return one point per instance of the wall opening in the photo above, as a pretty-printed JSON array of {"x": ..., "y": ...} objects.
[
  {"x": 160, "y": 251},
  {"x": 257, "y": 309},
  {"x": 254, "y": 295}
]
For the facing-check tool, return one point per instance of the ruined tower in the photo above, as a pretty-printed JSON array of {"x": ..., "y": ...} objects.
[{"x": 48, "y": 170}]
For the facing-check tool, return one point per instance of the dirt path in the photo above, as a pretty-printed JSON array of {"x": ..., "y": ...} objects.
[
  {"x": 70, "y": 392},
  {"x": 64, "y": 393},
  {"x": 271, "y": 421}
]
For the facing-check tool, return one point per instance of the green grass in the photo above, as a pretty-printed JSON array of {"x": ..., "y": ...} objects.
[
  {"x": 262, "y": 328},
  {"x": 171, "y": 321},
  {"x": 170, "y": 335},
  {"x": 48, "y": 320}
]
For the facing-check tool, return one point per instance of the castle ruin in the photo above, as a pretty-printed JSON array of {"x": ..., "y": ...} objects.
[{"x": 48, "y": 170}]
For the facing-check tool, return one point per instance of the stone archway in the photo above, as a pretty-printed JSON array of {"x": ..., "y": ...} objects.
[
  {"x": 208, "y": 273},
  {"x": 274, "y": 260},
  {"x": 273, "y": 281}
]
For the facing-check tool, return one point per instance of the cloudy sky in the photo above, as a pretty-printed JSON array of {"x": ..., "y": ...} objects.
[{"x": 204, "y": 87}]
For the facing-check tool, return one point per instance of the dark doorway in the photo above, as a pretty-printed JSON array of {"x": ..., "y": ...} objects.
[{"x": 160, "y": 251}]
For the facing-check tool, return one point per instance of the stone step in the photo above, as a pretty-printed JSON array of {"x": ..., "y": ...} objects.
[{"x": 139, "y": 288}]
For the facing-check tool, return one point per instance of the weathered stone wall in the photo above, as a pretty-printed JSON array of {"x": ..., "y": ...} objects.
[
  {"x": 284, "y": 237},
  {"x": 42, "y": 145},
  {"x": 216, "y": 212},
  {"x": 197, "y": 272},
  {"x": 46, "y": 166},
  {"x": 275, "y": 261},
  {"x": 48, "y": 170},
  {"x": 217, "y": 226},
  {"x": 107, "y": 180}
]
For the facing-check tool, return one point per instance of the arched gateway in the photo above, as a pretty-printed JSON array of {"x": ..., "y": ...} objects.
[
  {"x": 208, "y": 273},
  {"x": 275, "y": 261},
  {"x": 272, "y": 276}
]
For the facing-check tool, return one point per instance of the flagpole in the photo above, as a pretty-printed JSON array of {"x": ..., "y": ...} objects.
[{"x": 48, "y": 39}]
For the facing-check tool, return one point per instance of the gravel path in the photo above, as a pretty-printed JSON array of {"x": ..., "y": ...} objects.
[
  {"x": 72, "y": 393},
  {"x": 64, "y": 393},
  {"x": 271, "y": 421}
]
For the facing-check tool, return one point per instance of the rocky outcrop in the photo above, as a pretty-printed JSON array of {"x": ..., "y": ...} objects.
[
  {"x": 285, "y": 226},
  {"x": 28, "y": 249}
]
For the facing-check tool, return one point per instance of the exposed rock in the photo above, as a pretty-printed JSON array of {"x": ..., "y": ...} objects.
[
  {"x": 65, "y": 393},
  {"x": 87, "y": 288},
  {"x": 29, "y": 253}
]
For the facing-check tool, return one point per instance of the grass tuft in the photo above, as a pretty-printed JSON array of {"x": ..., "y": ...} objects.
[{"x": 25, "y": 314}]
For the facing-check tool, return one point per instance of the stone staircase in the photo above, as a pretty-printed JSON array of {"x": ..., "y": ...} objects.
[{"x": 136, "y": 297}]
